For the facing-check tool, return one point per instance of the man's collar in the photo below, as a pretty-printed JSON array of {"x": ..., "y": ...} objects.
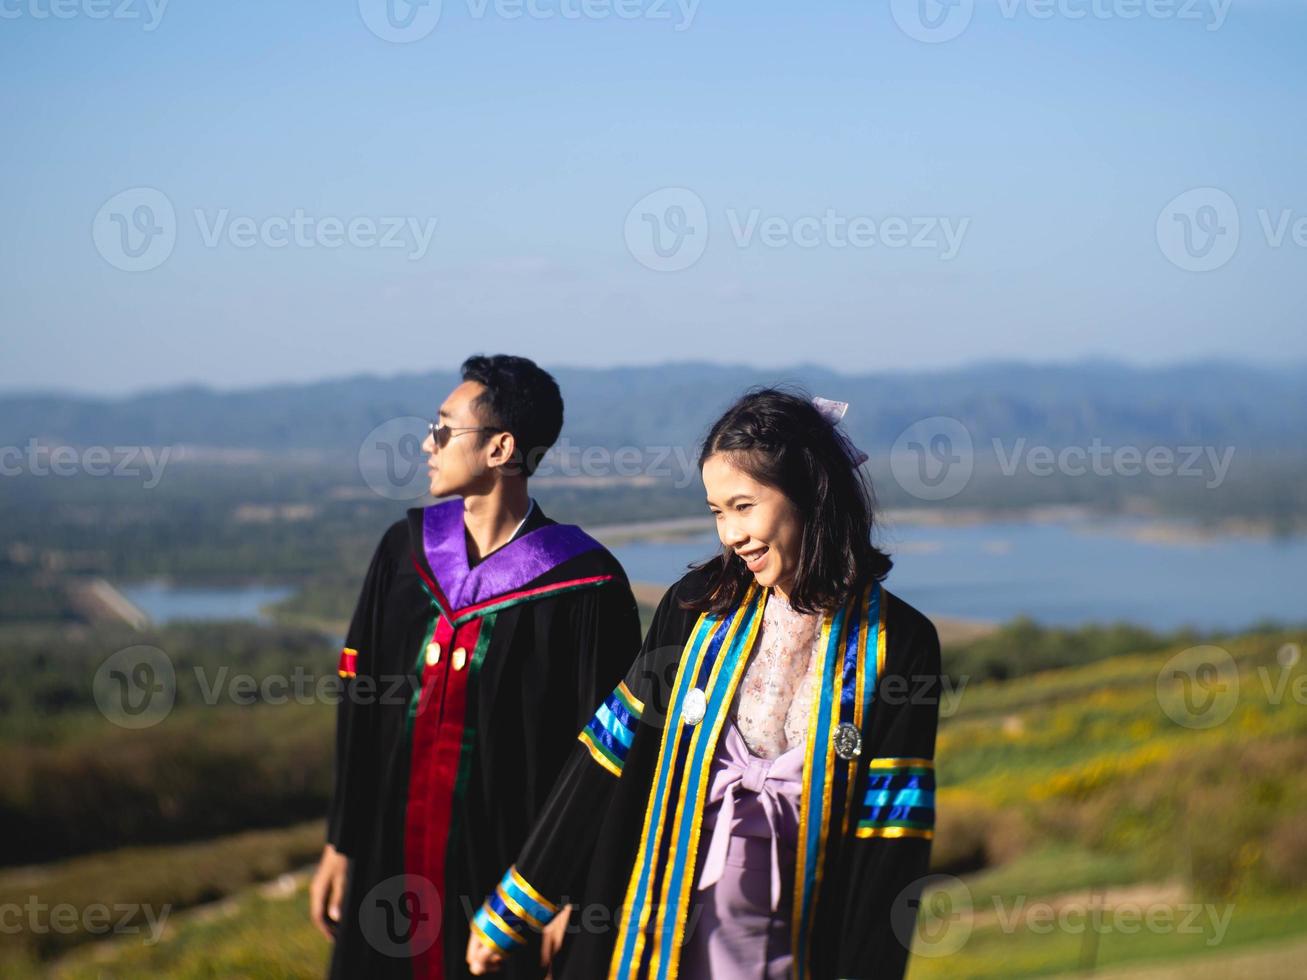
[
  {"x": 518, "y": 531},
  {"x": 540, "y": 545}
]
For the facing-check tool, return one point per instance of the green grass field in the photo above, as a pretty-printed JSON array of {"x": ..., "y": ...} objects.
[{"x": 1076, "y": 791}]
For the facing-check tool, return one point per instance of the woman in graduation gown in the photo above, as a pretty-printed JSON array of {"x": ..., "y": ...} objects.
[{"x": 756, "y": 797}]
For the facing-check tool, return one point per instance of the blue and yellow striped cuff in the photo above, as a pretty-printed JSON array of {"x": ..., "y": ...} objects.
[
  {"x": 900, "y": 800},
  {"x": 608, "y": 735},
  {"x": 513, "y": 908}
]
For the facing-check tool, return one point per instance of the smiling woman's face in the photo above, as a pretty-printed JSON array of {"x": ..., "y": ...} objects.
[{"x": 756, "y": 521}]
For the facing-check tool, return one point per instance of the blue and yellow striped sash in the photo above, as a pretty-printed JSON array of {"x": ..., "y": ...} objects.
[{"x": 656, "y": 904}]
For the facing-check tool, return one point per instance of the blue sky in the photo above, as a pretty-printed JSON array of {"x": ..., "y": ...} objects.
[{"x": 1016, "y": 188}]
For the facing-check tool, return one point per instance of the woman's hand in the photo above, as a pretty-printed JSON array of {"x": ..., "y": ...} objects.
[
  {"x": 327, "y": 891},
  {"x": 481, "y": 957},
  {"x": 551, "y": 939}
]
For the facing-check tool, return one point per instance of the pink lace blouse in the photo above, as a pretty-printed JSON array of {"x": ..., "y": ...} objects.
[{"x": 771, "y": 706}]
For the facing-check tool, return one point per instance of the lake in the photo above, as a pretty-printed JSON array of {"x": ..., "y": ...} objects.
[
  {"x": 1057, "y": 573},
  {"x": 1062, "y": 573},
  {"x": 165, "y": 603}
]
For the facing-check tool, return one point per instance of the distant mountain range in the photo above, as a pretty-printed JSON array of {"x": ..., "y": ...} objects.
[{"x": 1206, "y": 402}]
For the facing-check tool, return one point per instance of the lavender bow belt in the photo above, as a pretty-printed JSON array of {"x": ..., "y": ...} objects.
[{"x": 775, "y": 783}]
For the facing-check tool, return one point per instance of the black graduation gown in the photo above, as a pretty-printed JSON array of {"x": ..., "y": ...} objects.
[
  {"x": 463, "y": 690},
  {"x": 619, "y": 836}
]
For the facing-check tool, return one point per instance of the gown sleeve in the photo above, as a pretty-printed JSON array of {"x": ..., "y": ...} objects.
[
  {"x": 353, "y": 784},
  {"x": 555, "y": 858},
  {"x": 894, "y": 811},
  {"x": 607, "y": 637}
]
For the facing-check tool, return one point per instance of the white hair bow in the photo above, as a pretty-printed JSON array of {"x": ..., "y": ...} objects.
[{"x": 832, "y": 412}]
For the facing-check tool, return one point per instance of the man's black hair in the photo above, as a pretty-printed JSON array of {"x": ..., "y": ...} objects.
[{"x": 520, "y": 398}]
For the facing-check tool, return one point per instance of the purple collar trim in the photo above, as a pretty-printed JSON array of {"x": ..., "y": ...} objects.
[{"x": 506, "y": 570}]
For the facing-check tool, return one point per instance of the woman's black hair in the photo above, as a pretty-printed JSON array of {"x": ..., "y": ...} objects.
[{"x": 780, "y": 439}]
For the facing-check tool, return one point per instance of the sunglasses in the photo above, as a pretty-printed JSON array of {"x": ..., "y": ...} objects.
[{"x": 442, "y": 433}]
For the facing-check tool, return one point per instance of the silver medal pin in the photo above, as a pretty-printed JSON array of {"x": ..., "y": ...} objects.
[
  {"x": 695, "y": 707},
  {"x": 848, "y": 741}
]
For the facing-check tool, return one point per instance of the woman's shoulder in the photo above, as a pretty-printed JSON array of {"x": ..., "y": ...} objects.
[
  {"x": 898, "y": 610},
  {"x": 689, "y": 587},
  {"x": 673, "y": 621},
  {"x": 908, "y": 627}
]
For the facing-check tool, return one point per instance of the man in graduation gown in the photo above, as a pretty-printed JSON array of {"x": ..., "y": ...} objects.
[{"x": 485, "y": 635}]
